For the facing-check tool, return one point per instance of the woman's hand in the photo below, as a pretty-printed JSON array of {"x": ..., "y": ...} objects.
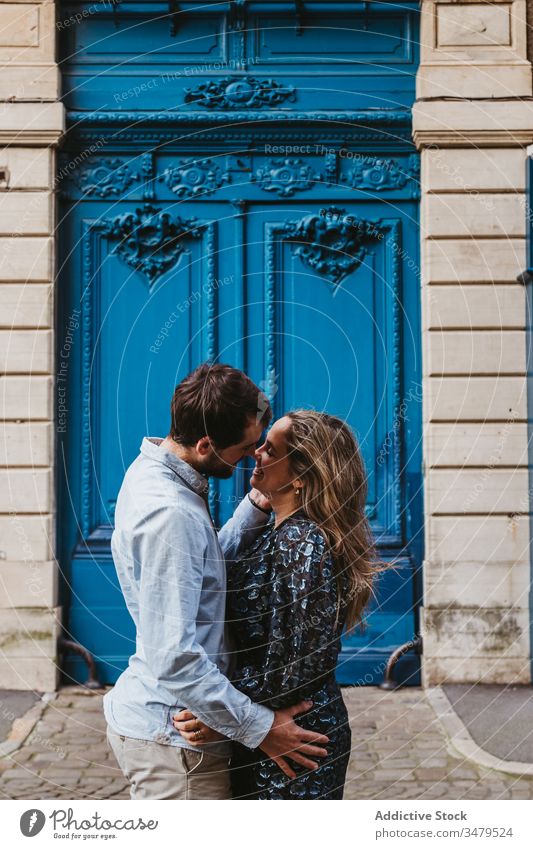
[
  {"x": 193, "y": 730},
  {"x": 260, "y": 499}
]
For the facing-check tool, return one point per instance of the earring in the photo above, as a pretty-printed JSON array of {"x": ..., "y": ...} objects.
[{"x": 297, "y": 491}]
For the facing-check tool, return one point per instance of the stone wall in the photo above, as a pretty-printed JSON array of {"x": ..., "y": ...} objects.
[
  {"x": 529, "y": 22},
  {"x": 31, "y": 122},
  {"x": 477, "y": 571}
]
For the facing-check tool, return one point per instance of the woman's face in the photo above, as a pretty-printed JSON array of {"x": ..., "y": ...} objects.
[{"x": 272, "y": 471}]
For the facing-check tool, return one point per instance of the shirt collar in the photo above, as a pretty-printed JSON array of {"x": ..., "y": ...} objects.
[{"x": 151, "y": 447}]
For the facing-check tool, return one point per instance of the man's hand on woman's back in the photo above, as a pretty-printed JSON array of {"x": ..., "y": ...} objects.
[{"x": 287, "y": 740}]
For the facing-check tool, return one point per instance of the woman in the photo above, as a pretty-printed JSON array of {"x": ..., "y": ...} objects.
[{"x": 307, "y": 576}]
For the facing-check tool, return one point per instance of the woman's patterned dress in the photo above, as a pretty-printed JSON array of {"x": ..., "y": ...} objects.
[{"x": 285, "y": 629}]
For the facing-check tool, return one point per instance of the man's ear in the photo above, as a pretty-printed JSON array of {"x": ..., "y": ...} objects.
[{"x": 203, "y": 446}]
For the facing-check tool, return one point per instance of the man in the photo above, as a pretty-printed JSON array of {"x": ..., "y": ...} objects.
[{"x": 170, "y": 563}]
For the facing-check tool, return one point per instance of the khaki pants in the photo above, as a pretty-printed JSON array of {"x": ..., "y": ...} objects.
[{"x": 157, "y": 771}]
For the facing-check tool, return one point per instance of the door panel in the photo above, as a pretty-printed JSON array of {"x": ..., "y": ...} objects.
[
  {"x": 336, "y": 55},
  {"x": 147, "y": 337},
  {"x": 281, "y": 242},
  {"x": 330, "y": 343}
]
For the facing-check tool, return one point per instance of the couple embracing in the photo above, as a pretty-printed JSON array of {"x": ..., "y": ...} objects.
[{"x": 231, "y": 691}]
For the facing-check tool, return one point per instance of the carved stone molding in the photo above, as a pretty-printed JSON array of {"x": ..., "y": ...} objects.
[
  {"x": 379, "y": 175},
  {"x": 285, "y": 176},
  {"x": 149, "y": 240},
  {"x": 104, "y": 178},
  {"x": 236, "y": 92},
  {"x": 332, "y": 243},
  {"x": 195, "y": 177},
  {"x": 235, "y": 126},
  {"x": 361, "y": 119}
]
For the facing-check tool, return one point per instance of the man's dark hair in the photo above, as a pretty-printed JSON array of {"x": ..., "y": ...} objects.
[{"x": 218, "y": 401}]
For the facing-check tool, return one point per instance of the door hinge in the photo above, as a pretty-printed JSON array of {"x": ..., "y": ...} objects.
[
  {"x": 173, "y": 11},
  {"x": 237, "y": 15},
  {"x": 525, "y": 278},
  {"x": 299, "y": 11}
]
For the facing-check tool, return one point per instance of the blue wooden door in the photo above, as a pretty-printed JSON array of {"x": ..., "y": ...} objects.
[{"x": 238, "y": 184}]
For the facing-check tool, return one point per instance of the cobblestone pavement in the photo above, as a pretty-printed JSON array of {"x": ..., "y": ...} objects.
[{"x": 399, "y": 751}]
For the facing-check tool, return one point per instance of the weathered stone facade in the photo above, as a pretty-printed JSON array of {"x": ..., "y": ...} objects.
[
  {"x": 476, "y": 571},
  {"x": 31, "y": 124},
  {"x": 472, "y": 128}
]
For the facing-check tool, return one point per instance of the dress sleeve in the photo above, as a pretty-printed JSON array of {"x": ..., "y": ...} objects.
[{"x": 300, "y": 610}]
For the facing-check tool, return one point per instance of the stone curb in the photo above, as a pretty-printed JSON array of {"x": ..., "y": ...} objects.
[
  {"x": 24, "y": 725},
  {"x": 462, "y": 741}
]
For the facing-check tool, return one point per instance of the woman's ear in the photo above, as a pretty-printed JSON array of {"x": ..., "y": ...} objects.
[{"x": 297, "y": 483}]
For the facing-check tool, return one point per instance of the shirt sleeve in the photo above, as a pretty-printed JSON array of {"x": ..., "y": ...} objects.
[
  {"x": 242, "y": 529},
  {"x": 301, "y": 646},
  {"x": 170, "y": 558}
]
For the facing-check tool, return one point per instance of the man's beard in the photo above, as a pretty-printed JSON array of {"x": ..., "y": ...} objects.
[{"x": 217, "y": 468}]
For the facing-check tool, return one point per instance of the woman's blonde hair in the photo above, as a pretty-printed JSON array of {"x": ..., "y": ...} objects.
[{"x": 323, "y": 453}]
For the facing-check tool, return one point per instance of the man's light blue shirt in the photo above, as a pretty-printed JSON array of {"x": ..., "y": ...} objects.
[{"x": 171, "y": 566}]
